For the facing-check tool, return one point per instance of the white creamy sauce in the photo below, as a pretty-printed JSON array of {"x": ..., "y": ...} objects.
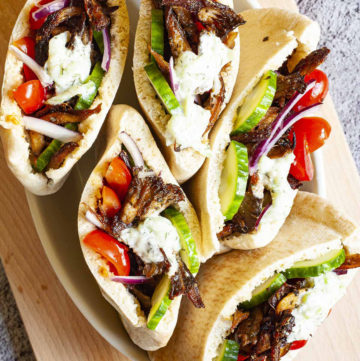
[
  {"x": 154, "y": 233},
  {"x": 273, "y": 175},
  {"x": 84, "y": 90},
  {"x": 68, "y": 67},
  {"x": 196, "y": 74},
  {"x": 316, "y": 302}
]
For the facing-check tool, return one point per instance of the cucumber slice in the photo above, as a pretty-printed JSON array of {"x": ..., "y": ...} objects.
[
  {"x": 264, "y": 291},
  {"x": 256, "y": 104},
  {"x": 44, "y": 158},
  {"x": 157, "y": 31},
  {"x": 188, "y": 246},
  {"x": 233, "y": 179},
  {"x": 160, "y": 302},
  {"x": 99, "y": 40},
  {"x": 229, "y": 351},
  {"x": 318, "y": 266},
  {"x": 162, "y": 88},
  {"x": 96, "y": 77}
]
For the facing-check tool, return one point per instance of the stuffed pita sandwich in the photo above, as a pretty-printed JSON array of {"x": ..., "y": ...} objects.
[
  {"x": 185, "y": 63},
  {"x": 265, "y": 304},
  {"x": 138, "y": 232},
  {"x": 261, "y": 145},
  {"x": 62, "y": 71}
]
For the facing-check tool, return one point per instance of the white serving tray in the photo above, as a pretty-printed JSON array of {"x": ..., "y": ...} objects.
[{"x": 55, "y": 219}]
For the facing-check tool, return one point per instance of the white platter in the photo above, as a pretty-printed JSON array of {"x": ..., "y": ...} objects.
[{"x": 55, "y": 218}]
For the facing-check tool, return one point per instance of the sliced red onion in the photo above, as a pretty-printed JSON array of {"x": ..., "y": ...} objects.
[
  {"x": 132, "y": 148},
  {"x": 262, "y": 215},
  {"x": 92, "y": 218},
  {"x": 340, "y": 272},
  {"x": 40, "y": 72},
  {"x": 173, "y": 82},
  {"x": 107, "y": 49},
  {"x": 130, "y": 280},
  {"x": 290, "y": 121},
  {"x": 289, "y": 106},
  {"x": 278, "y": 122},
  {"x": 51, "y": 130},
  {"x": 49, "y": 8}
]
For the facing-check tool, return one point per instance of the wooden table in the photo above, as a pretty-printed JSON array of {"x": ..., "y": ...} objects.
[{"x": 58, "y": 331}]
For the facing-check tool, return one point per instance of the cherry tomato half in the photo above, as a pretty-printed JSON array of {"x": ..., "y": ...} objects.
[
  {"x": 109, "y": 248},
  {"x": 302, "y": 168},
  {"x": 311, "y": 134},
  {"x": 118, "y": 177},
  {"x": 30, "y": 96},
  {"x": 27, "y": 45},
  {"x": 37, "y": 24},
  {"x": 315, "y": 129},
  {"x": 110, "y": 202},
  {"x": 317, "y": 94},
  {"x": 298, "y": 344}
]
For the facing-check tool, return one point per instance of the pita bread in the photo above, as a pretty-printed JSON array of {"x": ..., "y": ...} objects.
[
  {"x": 229, "y": 279},
  {"x": 124, "y": 118},
  {"x": 13, "y": 134},
  {"x": 186, "y": 163},
  {"x": 286, "y": 31}
]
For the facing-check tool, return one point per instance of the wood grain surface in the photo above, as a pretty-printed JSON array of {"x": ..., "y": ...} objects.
[{"x": 58, "y": 331}]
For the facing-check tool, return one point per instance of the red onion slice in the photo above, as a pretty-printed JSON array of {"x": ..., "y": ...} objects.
[
  {"x": 262, "y": 215},
  {"x": 132, "y": 148},
  {"x": 90, "y": 215},
  {"x": 290, "y": 121},
  {"x": 263, "y": 147},
  {"x": 173, "y": 82},
  {"x": 42, "y": 75},
  {"x": 51, "y": 130},
  {"x": 340, "y": 272},
  {"x": 289, "y": 106},
  {"x": 49, "y": 8},
  {"x": 107, "y": 50},
  {"x": 130, "y": 280}
]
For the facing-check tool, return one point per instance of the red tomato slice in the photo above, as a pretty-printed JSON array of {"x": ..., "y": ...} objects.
[
  {"x": 109, "y": 248},
  {"x": 315, "y": 129},
  {"x": 110, "y": 202},
  {"x": 37, "y": 24},
  {"x": 27, "y": 45},
  {"x": 242, "y": 358},
  {"x": 118, "y": 177},
  {"x": 30, "y": 96},
  {"x": 298, "y": 344},
  {"x": 200, "y": 27},
  {"x": 302, "y": 168},
  {"x": 317, "y": 94}
]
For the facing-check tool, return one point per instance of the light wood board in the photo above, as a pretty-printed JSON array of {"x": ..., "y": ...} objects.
[{"x": 58, "y": 331}]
